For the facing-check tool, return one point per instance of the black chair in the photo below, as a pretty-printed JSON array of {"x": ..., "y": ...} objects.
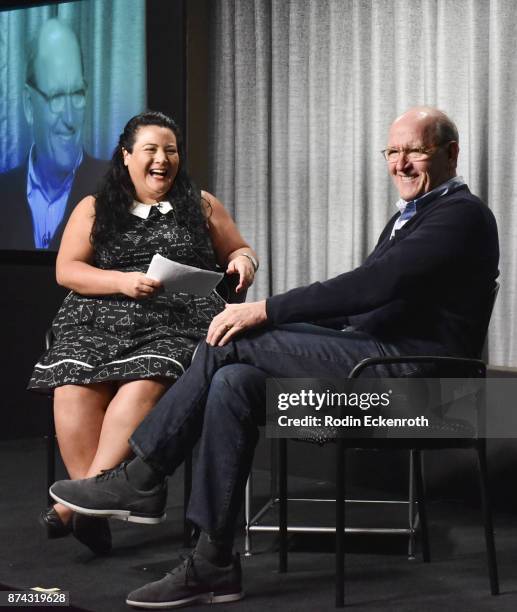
[
  {"x": 445, "y": 367},
  {"x": 265, "y": 518}
]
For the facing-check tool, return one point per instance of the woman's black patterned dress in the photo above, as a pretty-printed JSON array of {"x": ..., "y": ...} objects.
[{"x": 116, "y": 337}]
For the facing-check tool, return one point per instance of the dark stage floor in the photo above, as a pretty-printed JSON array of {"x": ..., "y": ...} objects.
[{"x": 378, "y": 573}]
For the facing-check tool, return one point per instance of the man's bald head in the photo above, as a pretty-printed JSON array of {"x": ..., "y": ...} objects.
[
  {"x": 435, "y": 123},
  {"x": 54, "y": 99},
  {"x": 424, "y": 145},
  {"x": 55, "y": 40}
]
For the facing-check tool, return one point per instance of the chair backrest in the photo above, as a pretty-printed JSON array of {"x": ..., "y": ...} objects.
[{"x": 483, "y": 329}]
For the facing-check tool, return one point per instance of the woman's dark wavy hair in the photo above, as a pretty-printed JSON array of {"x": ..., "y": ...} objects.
[{"x": 114, "y": 200}]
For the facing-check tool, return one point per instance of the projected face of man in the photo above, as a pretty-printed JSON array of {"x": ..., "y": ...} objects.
[{"x": 57, "y": 132}]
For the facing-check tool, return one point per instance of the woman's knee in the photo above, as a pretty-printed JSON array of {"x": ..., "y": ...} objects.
[
  {"x": 144, "y": 392},
  {"x": 98, "y": 393}
]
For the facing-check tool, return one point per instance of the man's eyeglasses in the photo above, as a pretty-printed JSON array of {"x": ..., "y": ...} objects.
[
  {"x": 56, "y": 102},
  {"x": 392, "y": 155}
]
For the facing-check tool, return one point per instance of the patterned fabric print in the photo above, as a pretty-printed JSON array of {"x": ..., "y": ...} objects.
[{"x": 118, "y": 338}]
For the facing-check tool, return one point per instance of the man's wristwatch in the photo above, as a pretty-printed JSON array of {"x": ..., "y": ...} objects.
[{"x": 254, "y": 262}]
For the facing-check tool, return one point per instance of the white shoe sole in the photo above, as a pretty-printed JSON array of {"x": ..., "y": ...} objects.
[
  {"x": 206, "y": 598},
  {"x": 121, "y": 515}
]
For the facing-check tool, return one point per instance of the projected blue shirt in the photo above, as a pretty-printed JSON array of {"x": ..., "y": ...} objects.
[{"x": 47, "y": 214}]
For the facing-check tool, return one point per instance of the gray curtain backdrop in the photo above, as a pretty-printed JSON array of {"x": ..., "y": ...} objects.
[
  {"x": 303, "y": 93},
  {"x": 112, "y": 37}
]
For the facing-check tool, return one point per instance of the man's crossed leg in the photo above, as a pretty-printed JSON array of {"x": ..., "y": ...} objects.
[{"x": 219, "y": 401}]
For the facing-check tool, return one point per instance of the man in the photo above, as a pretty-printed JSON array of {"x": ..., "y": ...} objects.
[
  {"x": 424, "y": 289},
  {"x": 39, "y": 195}
]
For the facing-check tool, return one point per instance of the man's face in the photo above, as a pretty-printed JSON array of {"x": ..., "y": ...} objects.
[
  {"x": 413, "y": 132},
  {"x": 57, "y": 135}
]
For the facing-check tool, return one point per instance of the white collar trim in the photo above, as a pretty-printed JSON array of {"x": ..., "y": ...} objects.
[{"x": 142, "y": 210}]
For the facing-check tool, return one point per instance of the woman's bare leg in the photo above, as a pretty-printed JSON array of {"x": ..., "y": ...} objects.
[
  {"x": 78, "y": 414},
  {"x": 133, "y": 400}
]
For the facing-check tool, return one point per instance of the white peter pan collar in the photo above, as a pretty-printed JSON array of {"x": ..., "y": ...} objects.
[{"x": 142, "y": 210}]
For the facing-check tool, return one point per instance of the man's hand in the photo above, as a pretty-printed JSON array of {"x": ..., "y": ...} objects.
[{"x": 234, "y": 319}]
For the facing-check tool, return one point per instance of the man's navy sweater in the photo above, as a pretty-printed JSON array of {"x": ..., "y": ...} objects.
[{"x": 429, "y": 286}]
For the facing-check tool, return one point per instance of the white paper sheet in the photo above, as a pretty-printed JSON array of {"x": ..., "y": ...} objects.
[{"x": 179, "y": 278}]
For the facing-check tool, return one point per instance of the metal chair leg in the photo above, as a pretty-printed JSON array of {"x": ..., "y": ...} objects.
[
  {"x": 51, "y": 450},
  {"x": 422, "y": 511},
  {"x": 340, "y": 524},
  {"x": 412, "y": 511},
  {"x": 282, "y": 504},
  {"x": 247, "y": 515},
  {"x": 51, "y": 429},
  {"x": 487, "y": 518}
]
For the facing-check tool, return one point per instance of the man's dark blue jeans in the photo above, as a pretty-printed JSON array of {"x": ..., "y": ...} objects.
[{"x": 221, "y": 399}]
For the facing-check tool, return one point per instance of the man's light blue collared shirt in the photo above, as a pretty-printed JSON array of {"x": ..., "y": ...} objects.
[
  {"x": 47, "y": 214},
  {"x": 410, "y": 208}
]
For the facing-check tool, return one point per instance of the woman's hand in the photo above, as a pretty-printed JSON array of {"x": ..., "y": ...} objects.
[
  {"x": 234, "y": 319},
  {"x": 137, "y": 285},
  {"x": 242, "y": 266},
  {"x": 229, "y": 245}
]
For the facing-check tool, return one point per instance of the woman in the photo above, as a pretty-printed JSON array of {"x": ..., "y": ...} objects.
[{"x": 120, "y": 341}]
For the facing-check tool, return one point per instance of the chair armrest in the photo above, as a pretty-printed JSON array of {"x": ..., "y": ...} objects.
[{"x": 475, "y": 366}]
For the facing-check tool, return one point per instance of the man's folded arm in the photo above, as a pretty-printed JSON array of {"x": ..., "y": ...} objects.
[{"x": 459, "y": 241}]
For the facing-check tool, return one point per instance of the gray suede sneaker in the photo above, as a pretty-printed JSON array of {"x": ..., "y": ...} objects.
[
  {"x": 195, "y": 580},
  {"x": 111, "y": 495}
]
